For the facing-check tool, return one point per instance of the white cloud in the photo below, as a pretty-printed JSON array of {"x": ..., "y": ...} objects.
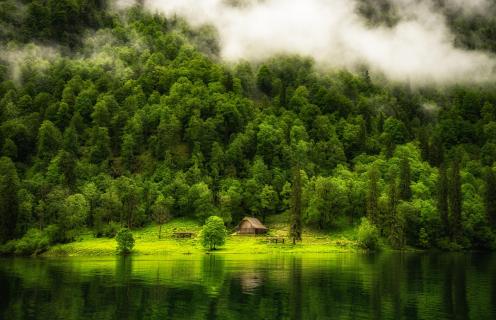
[
  {"x": 419, "y": 48},
  {"x": 31, "y": 55},
  {"x": 470, "y": 6}
]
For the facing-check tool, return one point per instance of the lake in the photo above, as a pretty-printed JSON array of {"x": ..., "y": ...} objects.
[{"x": 330, "y": 286}]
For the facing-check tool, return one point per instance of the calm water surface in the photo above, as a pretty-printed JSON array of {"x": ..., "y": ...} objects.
[{"x": 337, "y": 286}]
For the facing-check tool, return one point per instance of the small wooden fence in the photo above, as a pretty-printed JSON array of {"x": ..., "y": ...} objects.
[
  {"x": 276, "y": 240},
  {"x": 184, "y": 235}
]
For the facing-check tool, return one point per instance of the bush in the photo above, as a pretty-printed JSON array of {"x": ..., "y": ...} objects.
[
  {"x": 8, "y": 248},
  {"x": 213, "y": 233},
  {"x": 55, "y": 234},
  {"x": 478, "y": 232},
  {"x": 423, "y": 238},
  {"x": 409, "y": 215},
  {"x": 484, "y": 239},
  {"x": 446, "y": 244},
  {"x": 108, "y": 230},
  {"x": 125, "y": 241},
  {"x": 51, "y": 232},
  {"x": 32, "y": 243},
  {"x": 368, "y": 235}
]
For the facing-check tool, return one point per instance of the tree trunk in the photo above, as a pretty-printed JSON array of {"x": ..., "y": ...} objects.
[
  {"x": 42, "y": 221},
  {"x": 296, "y": 224},
  {"x": 455, "y": 201}
]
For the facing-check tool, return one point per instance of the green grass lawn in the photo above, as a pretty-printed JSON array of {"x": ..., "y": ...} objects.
[{"x": 147, "y": 242}]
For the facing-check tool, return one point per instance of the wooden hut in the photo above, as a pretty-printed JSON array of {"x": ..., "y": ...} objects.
[{"x": 251, "y": 226}]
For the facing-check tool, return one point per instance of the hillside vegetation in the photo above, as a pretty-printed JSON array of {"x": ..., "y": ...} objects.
[{"x": 129, "y": 119}]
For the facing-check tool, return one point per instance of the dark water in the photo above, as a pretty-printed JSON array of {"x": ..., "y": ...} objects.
[{"x": 338, "y": 286}]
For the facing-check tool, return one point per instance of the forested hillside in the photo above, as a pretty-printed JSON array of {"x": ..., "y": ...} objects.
[{"x": 123, "y": 118}]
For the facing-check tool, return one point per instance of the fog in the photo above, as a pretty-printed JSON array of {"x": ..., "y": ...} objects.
[
  {"x": 471, "y": 6},
  {"x": 419, "y": 49},
  {"x": 31, "y": 56}
]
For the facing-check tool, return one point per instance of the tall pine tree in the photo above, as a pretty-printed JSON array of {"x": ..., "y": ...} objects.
[
  {"x": 490, "y": 197},
  {"x": 394, "y": 224},
  {"x": 405, "y": 180},
  {"x": 373, "y": 195},
  {"x": 298, "y": 156},
  {"x": 296, "y": 224},
  {"x": 436, "y": 151},
  {"x": 455, "y": 201},
  {"x": 442, "y": 198},
  {"x": 9, "y": 184}
]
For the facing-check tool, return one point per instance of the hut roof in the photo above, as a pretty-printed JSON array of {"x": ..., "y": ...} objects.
[{"x": 255, "y": 223}]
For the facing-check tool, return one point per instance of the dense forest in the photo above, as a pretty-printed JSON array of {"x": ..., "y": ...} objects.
[{"x": 124, "y": 118}]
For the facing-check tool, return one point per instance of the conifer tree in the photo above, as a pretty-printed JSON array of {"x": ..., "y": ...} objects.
[
  {"x": 490, "y": 197},
  {"x": 436, "y": 153},
  {"x": 405, "y": 180},
  {"x": 393, "y": 222},
  {"x": 299, "y": 151},
  {"x": 9, "y": 184},
  {"x": 296, "y": 224},
  {"x": 373, "y": 195},
  {"x": 423, "y": 138},
  {"x": 455, "y": 201},
  {"x": 442, "y": 198}
]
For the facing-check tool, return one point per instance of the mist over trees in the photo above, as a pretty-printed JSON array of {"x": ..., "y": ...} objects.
[
  {"x": 137, "y": 121},
  {"x": 423, "y": 42}
]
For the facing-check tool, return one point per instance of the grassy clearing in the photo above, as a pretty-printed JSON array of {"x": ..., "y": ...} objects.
[{"x": 147, "y": 242}]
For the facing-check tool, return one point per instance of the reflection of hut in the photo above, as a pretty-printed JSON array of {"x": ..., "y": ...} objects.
[
  {"x": 250, "y": 281},
  {"x": 251, "y": 226}
]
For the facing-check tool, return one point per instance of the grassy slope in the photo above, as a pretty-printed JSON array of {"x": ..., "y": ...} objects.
[{"x": 147, "y": 242}]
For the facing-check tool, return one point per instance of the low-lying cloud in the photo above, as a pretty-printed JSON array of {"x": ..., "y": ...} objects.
[
  {"x": 470, "y": 6},
  {"x": 30, "y": 56},
  {"x": 418, "y": 49}
]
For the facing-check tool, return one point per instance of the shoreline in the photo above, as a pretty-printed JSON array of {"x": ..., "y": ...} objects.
[
  {"x": 168, "y": 247},
  {"x": 147, "y": 243}
]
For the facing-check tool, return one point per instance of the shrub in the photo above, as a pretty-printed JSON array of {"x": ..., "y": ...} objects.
[
  {"x": 108, "y": 230},
  {"x": 368, "y": 235},
  {"x": 125, "y": 241},
  {"x": 408, "y": 215},
  {"x": 213, "y": 233},
  {"x": 51, "y": 232},
  {"x": 8, "y": 248},
  {"x": 423, "y": 238},
  {"x": 447, "y": 245},
  {"x": 33, "y": 242}
]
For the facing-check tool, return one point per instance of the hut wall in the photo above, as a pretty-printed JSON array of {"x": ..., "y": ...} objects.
[
  {"x": 246, "y": 228},
  {"x": 247, "y": 231},
  {"x": 260, "y": 231}
]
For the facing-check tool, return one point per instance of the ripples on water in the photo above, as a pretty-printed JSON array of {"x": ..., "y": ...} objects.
[{"x": 338, "y": 286}]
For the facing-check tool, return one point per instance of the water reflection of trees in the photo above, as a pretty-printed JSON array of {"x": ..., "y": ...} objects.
[{"x": 410, "y": 286}]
